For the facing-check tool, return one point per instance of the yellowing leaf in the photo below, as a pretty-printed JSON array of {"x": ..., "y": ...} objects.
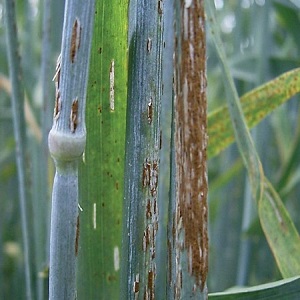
[{"x": 256, "y": 105}]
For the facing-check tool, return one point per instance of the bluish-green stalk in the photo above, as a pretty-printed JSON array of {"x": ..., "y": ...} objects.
[
  {"x": 66, "y": 144},
  {"x": 143, "y": 143},
  {"x": 19, "y": 129},
  {"x": 40, "y": 161}
]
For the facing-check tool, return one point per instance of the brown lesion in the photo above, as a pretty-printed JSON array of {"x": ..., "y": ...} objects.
[
  {"x": 191, "y": 140},
  {"x": 56, "y": 78},
  {"x": 151, "y": 277},
  {"x": 74, "y": 115},
  {"x": 160, "y": 7},
  {"x": 75, "y": 39},
  {"x": 77, "y": 236}
]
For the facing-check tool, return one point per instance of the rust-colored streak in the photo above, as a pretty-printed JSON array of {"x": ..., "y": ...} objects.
[
  {"x": 148, "y": 209},
  {"x": 146, "y": 174},
  {"x": 56, "y": 78},
  {"x": 75, "y": 39},
  {"x": 136, "y": 287},
  {"x": 160, "y": 140},
  {"x": 150, "y": 285},
  {"x": 191, "y": 139},
  {"x": 77, "y": 236},
  {"x": 57, "y": 105},
  {"x": 74, "y": 116}
]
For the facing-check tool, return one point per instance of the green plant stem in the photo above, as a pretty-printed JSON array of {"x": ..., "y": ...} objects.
[
  {"x": 142, "y": 151},
  {"x": 66, "y": 144},
  {"x": 41, "y": 161},
  {"x": 19, "y": 130},
  {"x": 188, "y": 239}
]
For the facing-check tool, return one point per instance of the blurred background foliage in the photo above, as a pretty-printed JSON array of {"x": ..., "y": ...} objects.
[{"x": 262, "y": 40}]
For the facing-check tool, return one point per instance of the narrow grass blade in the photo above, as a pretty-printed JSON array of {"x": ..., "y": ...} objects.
[
  {"x": 41, "y": 161},
  {"x": 256, "y": 105},
  {"x": 142, "y": 151},
  {"x": 280, "y": 232},
  {"x": 17, "y": 100},
  {"x": 101, "y": 175},
  {"x": 284, "y": 241},
  {"x": 287, "y": 289}
]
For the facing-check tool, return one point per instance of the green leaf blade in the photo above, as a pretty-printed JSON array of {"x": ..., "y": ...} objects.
[{"x": 102, "y": 172}]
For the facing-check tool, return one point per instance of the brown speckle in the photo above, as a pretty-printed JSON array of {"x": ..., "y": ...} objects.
[
  {"x": 74, "y": 116},
  {"x": 151, "y": 284},
  {"x": 136, "y": 287},
  {"x": 146, "y": 174},
  {"x": 148, "y": 209},
  {"x": 77, "y": 236},
  {"x": 160, "y": 140},
  {"x": 57, "y": 106},
  {"x": 160, "y": 7},
  {"x": 56, "y": 78}
]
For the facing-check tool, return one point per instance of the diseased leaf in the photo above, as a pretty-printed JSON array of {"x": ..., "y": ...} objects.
[
  {"x": 280, "y": 231},
  {"x": 256, "y": 105}
]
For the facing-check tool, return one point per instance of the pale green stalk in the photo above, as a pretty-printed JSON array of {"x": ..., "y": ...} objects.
[
  {"x": 141, "y": 212},
  {"x": 66, "y": 144},
  {"x": 166, "y": 120},
  {"x": 40, "y": 161},
  {"x": 19, "y": 130},
  {"x": 188, "y": 236}
]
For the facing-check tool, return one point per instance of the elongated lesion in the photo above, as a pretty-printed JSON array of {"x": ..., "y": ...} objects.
[
  {"x": 74, "y": 115},
  {"x": 75, "y": 39},
  {"x": 77, "y": 236},
  {"x": 112, "y": 86},
  {"x": 56, "y": 78}
]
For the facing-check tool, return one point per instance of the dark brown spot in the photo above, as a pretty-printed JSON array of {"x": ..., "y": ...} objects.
[
  {"x": 77, "y": 236},
  {"x": 160, "y": 7},
  {"x": 151, "y": 284},
  {"x": 75, "y": 39},
  {"x": 136, "y": 287},
  {"x": 74, "y": 116},
  {"x": 160, "y": 140}
]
